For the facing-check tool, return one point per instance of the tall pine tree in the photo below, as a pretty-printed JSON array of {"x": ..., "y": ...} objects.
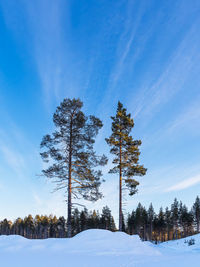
[
  {"x": 70, "y": 156},
  {"x": 126, "y": 151}
]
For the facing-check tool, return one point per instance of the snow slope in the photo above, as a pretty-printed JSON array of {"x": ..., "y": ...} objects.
[{"x": 96, "y": 248}]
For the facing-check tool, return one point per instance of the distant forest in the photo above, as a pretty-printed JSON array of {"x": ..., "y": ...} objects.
[{"x": 169, "y": 224}]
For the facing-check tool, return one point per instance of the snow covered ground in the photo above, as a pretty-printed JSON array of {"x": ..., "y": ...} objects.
[{"x": 97, "y": 248}]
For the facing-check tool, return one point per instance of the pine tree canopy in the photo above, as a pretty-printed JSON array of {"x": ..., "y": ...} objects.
[
  {"x": 68, "y": 151},
  {"x": 125, "y": 149}
]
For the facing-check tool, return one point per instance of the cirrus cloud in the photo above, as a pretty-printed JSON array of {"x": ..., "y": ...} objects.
[{"x": 184, "y": 184}]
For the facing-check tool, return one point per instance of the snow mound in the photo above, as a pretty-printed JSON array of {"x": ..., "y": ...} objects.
[
  {"x": 97, "y": 248},
  {"x": 93, "y": 241},
  {"x": 106, "y": 242}
]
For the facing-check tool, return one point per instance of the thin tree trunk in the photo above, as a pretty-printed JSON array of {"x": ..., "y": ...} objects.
[
  {"x": 120, "y": 190},
  {"x": 69, "y": 230}
]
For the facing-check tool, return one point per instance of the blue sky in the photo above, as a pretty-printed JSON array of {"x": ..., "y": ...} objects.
[{"x": 144, "y": 53}]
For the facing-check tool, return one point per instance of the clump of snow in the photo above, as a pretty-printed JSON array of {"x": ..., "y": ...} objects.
[{"x": 97, "y": 248}]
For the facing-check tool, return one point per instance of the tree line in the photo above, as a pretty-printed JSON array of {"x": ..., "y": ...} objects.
[
  {"x": 43, "y": 226},
  {"x": 169, "y": 224}
]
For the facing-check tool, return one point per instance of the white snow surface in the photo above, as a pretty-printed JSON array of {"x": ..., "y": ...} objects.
[{"x": 97, "y": 248}]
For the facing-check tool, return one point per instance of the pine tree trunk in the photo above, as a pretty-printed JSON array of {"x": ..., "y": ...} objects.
[
  {"x": 69, "y": 230},
  {"x": 120, "y": 191},
  {"x": 69, "y": 209}
]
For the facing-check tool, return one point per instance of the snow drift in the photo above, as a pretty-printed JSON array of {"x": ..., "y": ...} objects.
[{"x": 99, "y": 248}]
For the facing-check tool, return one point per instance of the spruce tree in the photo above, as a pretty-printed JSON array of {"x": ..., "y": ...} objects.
[
  {"x": 70, "y": 156},
  {"x": 196, "y": 212},
  {"x": 84, "y": 219},
  {"x": 131, "y": 223},
  {"x": 138, "y": 218},
  {"x": 113, "y": 227},
  {"x": 168, "y": 221},
  {"x": 184, "y": 219},
  {"x": 106, "y": 218},
  {"x": 175, "y": 217},
  {"x": 161, "y": 224},
  {"x": 144, "y": 223},
  {"x": 126, "y": 151},
  {"x": 151, "y": 215}
]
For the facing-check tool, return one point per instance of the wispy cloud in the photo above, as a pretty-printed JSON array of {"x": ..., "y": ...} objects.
[
  {"x": 184, "y": 184},
  {"x": 17, "y": 151},
  {"x": 126, "y": 41},
  {"x": 14, "y": 160},
  {"x": 47, "y": 34},
  {"x": 189, "y": 118},
  {"x": 185, "y": 122},
  {"x": 42, "y": 22},
  {"x": 124, "y": 51},
  {"x": 182, "y": 64}
]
